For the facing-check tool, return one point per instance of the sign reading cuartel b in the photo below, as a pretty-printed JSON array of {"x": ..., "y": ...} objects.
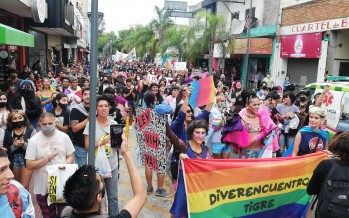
[
  {"x": 39, "y": 10},
  {"x": 319, "y": 26},
  {"x": 301, "y": 46}
]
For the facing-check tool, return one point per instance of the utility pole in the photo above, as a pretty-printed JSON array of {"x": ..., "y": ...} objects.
[
  {"x": 93, "y": 83},
  {"x": 247, "y": 56}
]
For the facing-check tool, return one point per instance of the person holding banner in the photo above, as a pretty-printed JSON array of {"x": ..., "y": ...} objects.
[
  {"x": 183, "y": 115},
  {"x": 197, "y": 131},
  {"x": 312, "y": 138}
]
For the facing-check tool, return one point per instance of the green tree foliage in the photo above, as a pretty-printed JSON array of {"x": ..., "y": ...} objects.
[
  {"x": 161, "y": 34},
  {"x": 161, "y": 23},
  {"x": 103, "y": 40}
]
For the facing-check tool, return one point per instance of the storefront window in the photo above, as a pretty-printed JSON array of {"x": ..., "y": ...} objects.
[{"x": 38, "y": 52}]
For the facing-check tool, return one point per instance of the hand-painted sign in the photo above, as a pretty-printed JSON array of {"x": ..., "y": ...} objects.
[{"x": 151, "y": 138}]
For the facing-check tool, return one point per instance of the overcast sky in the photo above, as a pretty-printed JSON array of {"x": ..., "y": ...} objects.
[{"x": 121, "y": 14}]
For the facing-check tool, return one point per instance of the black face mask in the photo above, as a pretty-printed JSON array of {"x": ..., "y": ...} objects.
[
  {"x": 26, "y": 92},
  {"x": 3, "y": 104},
  {"x": 13, "y": 76},
  {"x": 63, "y": 106},
  {"x": 18, "y": 124},
  {"x": 302, "y": 98}
]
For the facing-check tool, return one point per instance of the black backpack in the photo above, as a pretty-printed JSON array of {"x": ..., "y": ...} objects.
[{"x": 334, "y": 195}]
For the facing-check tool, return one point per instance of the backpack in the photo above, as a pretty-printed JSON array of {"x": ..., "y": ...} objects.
[{"x": 334, "y": 195}]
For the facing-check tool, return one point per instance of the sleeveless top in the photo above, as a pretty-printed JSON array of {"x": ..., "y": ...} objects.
[
  {"x": 204, "y": 154},
  {"x": 308, "y": 143}
]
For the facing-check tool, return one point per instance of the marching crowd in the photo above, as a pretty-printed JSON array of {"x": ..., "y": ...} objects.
[{"x": 45, "y": 121}]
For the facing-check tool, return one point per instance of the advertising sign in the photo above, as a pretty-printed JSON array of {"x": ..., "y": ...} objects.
[
  {"x": 318, "y": 26},
  {"x": 301, "y": 46},
  {"x": 257, "y": 46}
]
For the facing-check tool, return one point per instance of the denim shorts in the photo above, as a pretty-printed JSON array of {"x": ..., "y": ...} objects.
[
  {"x": 218, "y": 148},
  {"x": 18, "y": 161},
  {"x": 250, "y": 153}
]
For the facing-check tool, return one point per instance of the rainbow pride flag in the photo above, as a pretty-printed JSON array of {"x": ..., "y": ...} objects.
[
  {"x": 203, "y": 92},
  {"x": 253, "y": 188}
]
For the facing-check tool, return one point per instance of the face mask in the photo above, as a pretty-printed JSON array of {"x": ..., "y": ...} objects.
[
  {"x": 63, "y": 106},
  {"x": 18, "y": 124},
  {"x": 3, "y": 104},
  {"x": 48, "y": 128},
  {"x": 26, "y": 92},
  {"x": 13, "y": 76},
  {"x": 222, "y": 105},
  {"x": 302, "y": 98}
]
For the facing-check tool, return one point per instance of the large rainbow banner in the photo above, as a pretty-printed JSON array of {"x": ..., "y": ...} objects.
[
  {"x": 253, "y": 188},
  {"x": 203, "y": 92}
]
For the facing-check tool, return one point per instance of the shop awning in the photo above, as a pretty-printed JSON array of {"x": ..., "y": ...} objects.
[{"x": 12, "y": 36}]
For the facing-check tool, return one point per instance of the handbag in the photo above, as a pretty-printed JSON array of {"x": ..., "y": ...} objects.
[
  {"x": 102, "y": 164},
  {"x": 58, "y": 174}
]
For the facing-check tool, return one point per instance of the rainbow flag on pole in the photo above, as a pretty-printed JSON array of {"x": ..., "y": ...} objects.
[{"x": 253, "y": 188}]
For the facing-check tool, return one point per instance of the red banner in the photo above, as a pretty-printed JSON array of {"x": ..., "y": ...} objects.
[{"x": 301, "y": 46}]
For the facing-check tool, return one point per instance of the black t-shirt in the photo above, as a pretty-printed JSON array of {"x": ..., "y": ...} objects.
[
  {"x": 127, "y": 91},
  {"x": 78, "y": 137},
  {"x": 65, "y": 114},
  {"x": 68, "y": 212}
]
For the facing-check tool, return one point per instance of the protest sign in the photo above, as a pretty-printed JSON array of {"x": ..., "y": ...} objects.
[
  {"x": 153, "y": 78},
  {"x": 273, "y": 187},
  {"x": 203, "y": 92},
  {"x": 180, "y": 65},
  {"x": 151, "y": 138}
]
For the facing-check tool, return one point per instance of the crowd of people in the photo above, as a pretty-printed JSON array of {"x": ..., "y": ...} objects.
[{"x": 45, "y": 121}]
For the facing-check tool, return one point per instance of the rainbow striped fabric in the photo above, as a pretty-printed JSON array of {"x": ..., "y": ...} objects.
[{"x": 253, "y": 188}]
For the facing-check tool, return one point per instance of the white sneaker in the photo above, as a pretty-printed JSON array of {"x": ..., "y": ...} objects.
[{"x": 130, "y": 127}]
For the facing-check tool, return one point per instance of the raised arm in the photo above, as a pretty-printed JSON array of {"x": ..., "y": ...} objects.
[{"x": 135, "y": 205}]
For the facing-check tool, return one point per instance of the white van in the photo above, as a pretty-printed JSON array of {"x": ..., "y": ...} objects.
[{"x": 335, "y": 102}]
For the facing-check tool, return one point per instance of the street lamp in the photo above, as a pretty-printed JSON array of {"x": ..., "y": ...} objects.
[
  {"x": 95, "y": 18},
  {"x": 100, "y": 16}
]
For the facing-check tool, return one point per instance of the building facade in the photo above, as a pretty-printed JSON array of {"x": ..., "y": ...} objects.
[
  {"x": 314, "y": 40},
  {"x": 264, "y": 19}
]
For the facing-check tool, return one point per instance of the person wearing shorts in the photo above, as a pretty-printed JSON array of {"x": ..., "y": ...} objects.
[{"x": 219, "y": 149}]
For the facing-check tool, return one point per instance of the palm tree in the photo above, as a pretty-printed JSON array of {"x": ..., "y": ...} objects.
[
  {"x": 176, "y": 37},
  {"x": 210, "y": 29},
  {"x": 143, "y": 38},
  {"x": 161, "y": 23}
]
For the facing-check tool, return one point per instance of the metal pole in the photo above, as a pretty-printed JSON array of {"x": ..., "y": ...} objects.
[
  {"x": 93, "y": 82},
  {"x": 249, "y": 20}
]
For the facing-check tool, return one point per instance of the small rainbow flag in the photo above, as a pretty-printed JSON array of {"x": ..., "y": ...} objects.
[
  {"x": 253, "y": 188},
  {"x": 203, "y": 92}
]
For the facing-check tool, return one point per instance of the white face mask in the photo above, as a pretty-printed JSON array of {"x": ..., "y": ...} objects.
[{"x": 48, "y": 129}]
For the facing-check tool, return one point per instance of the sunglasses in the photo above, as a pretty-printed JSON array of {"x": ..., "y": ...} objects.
[{"x": 189, "y": 111}]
